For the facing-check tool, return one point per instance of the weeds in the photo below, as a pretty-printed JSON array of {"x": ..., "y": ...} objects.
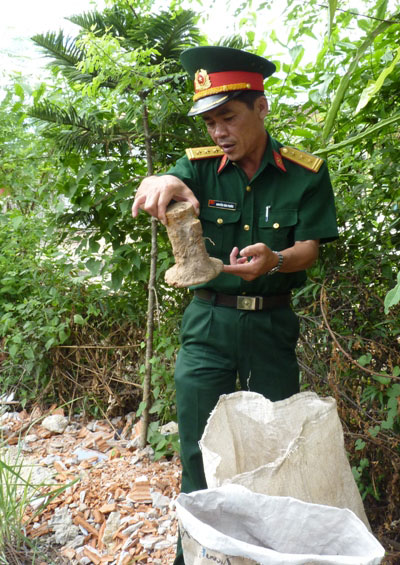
[{"x": 18, "y": 491}]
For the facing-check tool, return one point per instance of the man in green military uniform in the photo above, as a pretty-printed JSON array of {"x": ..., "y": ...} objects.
[{"x": 265, "y": 209}]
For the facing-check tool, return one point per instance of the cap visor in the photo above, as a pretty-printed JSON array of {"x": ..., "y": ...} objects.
[{"x": 210, "y": 102}]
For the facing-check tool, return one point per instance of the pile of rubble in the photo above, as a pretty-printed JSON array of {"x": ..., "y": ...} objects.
[{"x": 118, "y": 507}]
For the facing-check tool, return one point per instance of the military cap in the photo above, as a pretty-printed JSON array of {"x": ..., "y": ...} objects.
[{"x": 222, "y": 73}]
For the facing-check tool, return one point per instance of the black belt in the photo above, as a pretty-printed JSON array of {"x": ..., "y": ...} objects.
[{"x": 244, "y": 302}]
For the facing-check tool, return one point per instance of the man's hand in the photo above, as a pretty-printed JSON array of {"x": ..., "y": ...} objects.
[
  {"x": 155, "y": 193},
  {"x": 256, "y": 260},
  {"x": 252, "y": 261}
]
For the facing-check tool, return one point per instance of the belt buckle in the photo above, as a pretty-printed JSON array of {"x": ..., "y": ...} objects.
[{"x": 249, "y": 302}]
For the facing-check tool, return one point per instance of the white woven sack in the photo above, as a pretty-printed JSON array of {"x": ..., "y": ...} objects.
[
  {"x": 293, "y": 447},
  {"x": 231, "y": 525}
]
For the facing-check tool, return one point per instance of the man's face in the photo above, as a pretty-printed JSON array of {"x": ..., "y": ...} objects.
[{"x": 236, "y": 128}]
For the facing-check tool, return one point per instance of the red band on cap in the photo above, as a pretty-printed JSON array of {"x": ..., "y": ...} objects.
[
  {"x": 232, "y": 77},
  {"x": 207, "y": 84}
]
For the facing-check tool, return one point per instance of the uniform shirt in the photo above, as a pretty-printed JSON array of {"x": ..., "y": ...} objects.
[{"x": 283, "y": 203}]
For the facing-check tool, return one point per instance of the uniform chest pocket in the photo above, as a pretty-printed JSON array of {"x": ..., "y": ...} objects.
[
  {"x": 277, "y": 230},
  {"x": 219, "y": 228}
]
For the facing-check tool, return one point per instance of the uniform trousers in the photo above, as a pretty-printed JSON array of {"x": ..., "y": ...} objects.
[{"x": 223, "y": 349}]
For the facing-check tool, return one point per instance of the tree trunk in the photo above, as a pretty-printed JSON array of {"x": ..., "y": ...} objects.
[{"x": 151, "y": 296}]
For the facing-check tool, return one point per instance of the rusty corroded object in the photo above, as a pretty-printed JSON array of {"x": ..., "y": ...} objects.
[{"x": 193, "y": 265}]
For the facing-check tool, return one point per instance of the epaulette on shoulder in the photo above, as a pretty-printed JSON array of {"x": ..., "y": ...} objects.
[
  {"x": 306, "y": 160},
  {"x": 194, "y": 153}
]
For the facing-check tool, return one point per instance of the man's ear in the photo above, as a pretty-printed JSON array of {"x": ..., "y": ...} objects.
[{"x": 262, "y": 106}]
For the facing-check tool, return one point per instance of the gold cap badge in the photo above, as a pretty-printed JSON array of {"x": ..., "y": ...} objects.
[{"x": 201, "y": 80}]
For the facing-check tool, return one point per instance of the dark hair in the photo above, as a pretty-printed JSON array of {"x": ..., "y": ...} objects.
[{"x": 248, "y": 97}]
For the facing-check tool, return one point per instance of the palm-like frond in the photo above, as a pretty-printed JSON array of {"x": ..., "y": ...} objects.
[
  {"x": 64, "y": 53},
  {"x": 77, "y": 131},
  {"x": 90, "y": 20},
  {"x": 63, "y": 50},
  {"x": 167, "y": 33},
  {"x": 113, "y": 20},
  {"x": 235, "y": 41}
]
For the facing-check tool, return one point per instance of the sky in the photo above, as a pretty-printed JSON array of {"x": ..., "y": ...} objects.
[{"x": 21, "y": 19}]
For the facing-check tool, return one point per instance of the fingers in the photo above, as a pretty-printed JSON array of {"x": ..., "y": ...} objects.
[
  {"x": 186, "y": 195},
  {"x": 151, "y": 203},
  {"x": 233, "y": 256},
  {"x": 238, "y": 265},
  {"x": 155, "y": 193},
  {"x": 159, "y": 206},
  {"x": 252, "y": 263},
  {"x": 195, "y": 203},
  {"x": 145, "y": 197},
  {"x": 137, "y": 205},
  {"x": 254, "y": 251},
  {"x": 240, "y": 270}
]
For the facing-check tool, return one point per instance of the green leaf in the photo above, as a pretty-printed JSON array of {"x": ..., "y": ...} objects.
[
  {"x": 94, "y": 245},
  {"x": 17, "y": 221},
  {"x": 394, "y": 391},
  {"x": 250, "y": 36},
  {"x": 49, "y": 343},
  {"x": 359, "y": 444},
  {"x": 374, "y": 87},
  {"x": 78, "y": 319},
  {"x": 374, "y": 431},
  {"x": 365, "y": 359},
  {"x": 393, "y": 296},
  {"x": 63, "y": 335},
  {"x": 17, "y": 106},
  {"x": 382, "y": 380},
  {"x": 315, "y": 96},
  {"x": 124, "y": 206},
  {"x": 116, "y": 279},
  {"x": 19, "y": 91},
  {"x": 94, "y": 266},
  {"x": 157, "y": 407},
  {"x": 363, "y": 24},
  {"x": 356, "y": 473},
  {"x": 13, "y": 349},
  {"x": 142, "y": 406},
  {"x": 296, "y": 54},
  {"x": 302, "y": 132}
]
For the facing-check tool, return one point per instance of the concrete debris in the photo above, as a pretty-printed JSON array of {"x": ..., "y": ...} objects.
[
  {"x": 160, "y": 501},
  {"x": 63, "y": 527},
  {"x": 113, "y": 523},
  {"x": 117, "y": 504},
  {"x": 55, "y": 423},
  {"x": 89, "y": 455},
  {"x": 170, "y": 428},
  {"x": 10, "y": 416}
]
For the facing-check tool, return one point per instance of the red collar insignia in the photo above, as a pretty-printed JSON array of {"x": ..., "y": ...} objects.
[
  {"x": 223, "y": 163},
  {"x": 278, "y": 161}
]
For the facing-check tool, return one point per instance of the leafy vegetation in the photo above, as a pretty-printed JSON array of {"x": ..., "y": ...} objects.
[{"x": 75, "y": 265}]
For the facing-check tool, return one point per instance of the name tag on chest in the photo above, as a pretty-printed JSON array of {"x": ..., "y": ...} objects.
[{"x": 222, "y": 205}]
